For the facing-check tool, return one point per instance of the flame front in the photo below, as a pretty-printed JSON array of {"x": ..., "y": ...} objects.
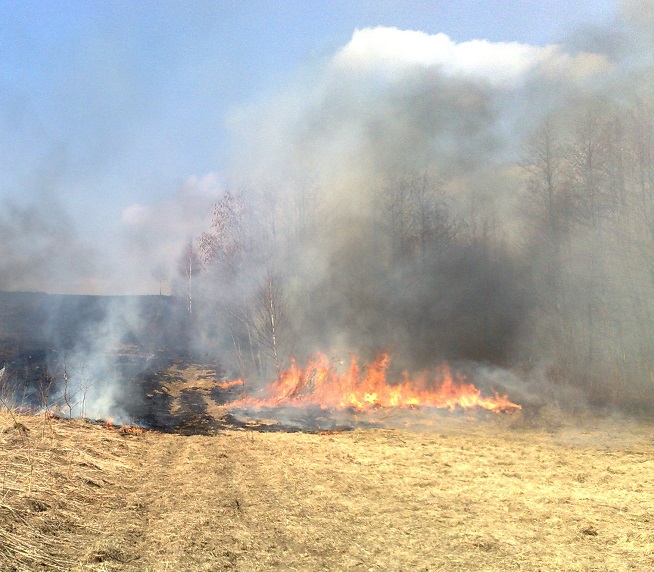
[{"x": 319, "y": 383}]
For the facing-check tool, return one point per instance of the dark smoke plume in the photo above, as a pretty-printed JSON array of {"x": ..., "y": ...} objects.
[
  {"x": 487, "y": 204},
  {"x": 400, "y": 200}
]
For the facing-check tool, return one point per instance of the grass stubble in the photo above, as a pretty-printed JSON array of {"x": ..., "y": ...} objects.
[{"x": 497, "y": 493}]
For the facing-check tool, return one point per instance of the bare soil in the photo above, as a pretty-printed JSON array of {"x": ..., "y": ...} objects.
[{"x": 501, "y": 493}]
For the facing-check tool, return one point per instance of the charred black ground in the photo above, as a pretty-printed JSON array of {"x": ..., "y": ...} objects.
[{"x": 51, "y": 345}]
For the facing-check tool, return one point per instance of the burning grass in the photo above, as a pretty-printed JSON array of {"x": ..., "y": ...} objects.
[
  {"x": 490, "y": 494},
  {"x": 320, "y": 383}
]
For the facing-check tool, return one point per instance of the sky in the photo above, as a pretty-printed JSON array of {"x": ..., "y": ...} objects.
[{"x": 117, "y": 117}]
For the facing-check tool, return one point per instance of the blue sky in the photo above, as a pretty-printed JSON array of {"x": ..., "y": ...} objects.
[{"x": 107, "y": 105}]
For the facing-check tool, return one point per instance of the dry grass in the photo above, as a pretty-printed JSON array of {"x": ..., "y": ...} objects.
[
  {"x": 495, "y": 495},
  {"x": 59, "y": 483}
]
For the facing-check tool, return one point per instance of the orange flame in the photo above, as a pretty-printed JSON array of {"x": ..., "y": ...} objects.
[
  {"x": 230, "y": 384},
  {"x": 124, "y": 429},
  {"x": 131, "y": 430},
  {"x": 320, "y": 384}
]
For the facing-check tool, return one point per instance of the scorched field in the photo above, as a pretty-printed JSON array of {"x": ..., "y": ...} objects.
[{"x": 490, "y": 492}]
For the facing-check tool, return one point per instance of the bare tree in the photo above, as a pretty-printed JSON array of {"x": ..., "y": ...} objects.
[
  {"x": 160, "y": 274},
  {"x": 189, "y": 265},
  {"x": 70, "y": 392},
  {"x": 226, "y": 241},
  {"x": 271, "y": 317},
  {"x": 548, "y": 196},
  {"x": 549, "y": 211},
  {"x": 416, "y": 216},
  {"x": 586, "y": 224},
  {"x": 588, "y": 160}
]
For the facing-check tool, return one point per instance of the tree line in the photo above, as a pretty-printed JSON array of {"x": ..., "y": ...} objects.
[{"x": 563, "y": 279}]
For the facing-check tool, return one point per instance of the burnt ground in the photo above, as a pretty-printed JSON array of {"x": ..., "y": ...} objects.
[
  {"x": 205, "y": 487},
  {"x": 35, "y": 321},
  {"x": 164, "y": 386},
  {"x": 42, "y": 335}
]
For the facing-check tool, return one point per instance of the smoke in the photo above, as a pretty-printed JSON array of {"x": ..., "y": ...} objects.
[
  {"x": 101, "y": 349},
  {"x": 389, "y": 199},
  {"x": 400, "y": 144},
  {"x": 154, "y": 234},
  {"x": 40, "y": 249},
  {"x": 393, "y": 194}
]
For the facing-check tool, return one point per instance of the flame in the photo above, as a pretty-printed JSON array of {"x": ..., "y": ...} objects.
[
  {"x": 131, "y": 430},
  {"x": 319, "y": 383},
  {"x": 230, "y": 384},
  {"x": 123, "y": 429}
]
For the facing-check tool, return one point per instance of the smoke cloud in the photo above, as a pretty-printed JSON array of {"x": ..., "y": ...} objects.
[
  {"x": 154, "y": 234},
  {"x": 399, "y": 121},
  {"x": 396, "y": 204},
  {"x": 40, "y": 249},
  {"x": 478, "y": 203}
]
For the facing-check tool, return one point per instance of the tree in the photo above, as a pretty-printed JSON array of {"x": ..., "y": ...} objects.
[
  {"x": 588, "y": 167},
  {"x": 548, "y": 196},
  {"x": 416, "y": 217},
  {"x": 189, "y": 265},
  {"x": 226, "y": 241},
  {"x": 549, "y": 210},
  {"x": 271, "y": 317},
  {"x": 160, "y": 274}
]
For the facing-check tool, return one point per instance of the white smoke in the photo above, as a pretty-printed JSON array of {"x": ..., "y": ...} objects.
[
  {"x": 90, "y": 378},
  {"x": 155, "y": 234}
]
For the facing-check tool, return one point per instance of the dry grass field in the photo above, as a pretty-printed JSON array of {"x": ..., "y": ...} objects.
[{"x": 495, "y": 493}]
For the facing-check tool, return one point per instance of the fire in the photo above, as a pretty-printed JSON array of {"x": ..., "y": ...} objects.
[
  {"x": 123, "y": 429},
  {"x": 131, "y": 430},
  {"x": 230, "y": 384},
  {"x": 319, "y": 383}
]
